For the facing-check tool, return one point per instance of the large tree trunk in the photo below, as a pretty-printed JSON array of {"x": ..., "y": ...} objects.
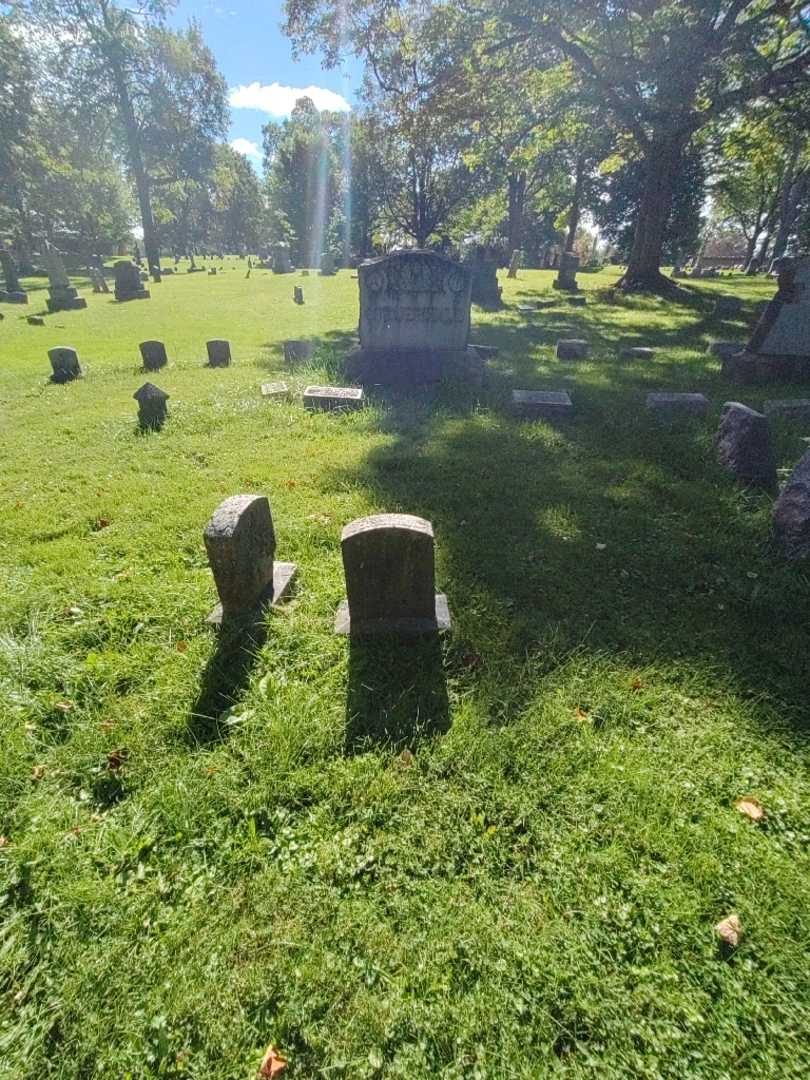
[
  {"x": 792, "y": 194},
  {"x": 517, "y": 208},
  {"x": 127, "y": 113},
  {"x": 663, "y": 160}
]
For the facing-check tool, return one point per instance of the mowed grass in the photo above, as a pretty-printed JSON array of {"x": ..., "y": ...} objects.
[{"x": 499, "y": 856}]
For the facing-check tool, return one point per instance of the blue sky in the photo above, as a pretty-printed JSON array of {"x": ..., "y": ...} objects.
[{"x": 256, "y": 60}]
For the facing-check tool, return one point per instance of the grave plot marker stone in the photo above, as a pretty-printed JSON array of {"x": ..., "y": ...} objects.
[
  {"x": 219, "y": 352},
  {"x": 793, "y": 409},
  {"x": 15, "y": 294},
  {"x": 298, "y": 294},
  {"x": 65, "y": 364},
  {"x": 281, "y": 263},
  {"x": 482, "y": 263},
  {"x": 779, "y": 347},
  {"x": 241, "y": 544},
  {"x": 279, "y": 391},
  {"x": 298, "y": 352},
  {"x": 152, "y": 409},
  {"x": 333, "y": 398},
  {"x": 128, "y": 282},
  {"x": 638, "y": 352},
  {"x": 724, "y": 349},
  {"x": 572, "y": 349},
  {"x": 668, "y": 406},
  {"x": 388, "y": 561},
  {"x": 542, "y": 404},
  {"x": 566, "y": 278},
  {"x": 62, "y": 296},
  {"x": 791, "y": 512},
  {"x": 153, "y": 354},
  {"x": 744, "y": 446}
]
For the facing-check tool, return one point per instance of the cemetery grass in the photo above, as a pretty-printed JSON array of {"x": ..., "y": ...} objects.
[{"x": 502, "y": 855}]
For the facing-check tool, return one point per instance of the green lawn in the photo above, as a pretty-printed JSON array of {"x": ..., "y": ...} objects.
[{"x": 500, "y": 856}]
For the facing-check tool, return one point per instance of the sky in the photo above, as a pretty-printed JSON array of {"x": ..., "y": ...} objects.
[{"x": 255, "y": 57}]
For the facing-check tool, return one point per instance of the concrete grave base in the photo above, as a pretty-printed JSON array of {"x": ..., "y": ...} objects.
[
  {"x": 542, "y": 404},
  {"x": 415, "y": 367},
  {"x": 283, "y": 577},
  {"x": 394, "y": 627}
]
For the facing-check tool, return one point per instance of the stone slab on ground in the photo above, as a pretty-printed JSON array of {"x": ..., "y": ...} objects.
[
  {"x": 542, "y": 404},
  {"x": 572, "y": 349},
  {"x": 789, "y": 409},
  {"x": 670, "y": 406},
  {"x": 334, "y": 398},
  {"x": 638, "y": 352},
  {"x": 278, "y": 390}
]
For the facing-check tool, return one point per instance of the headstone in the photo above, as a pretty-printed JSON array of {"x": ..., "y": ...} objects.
[
  {"x": 567, "y": 274},
  {"x": 638, "y": 352},
  {"x": 791, "y": 512},
  {"x": 99, "y": 281},
  {"x": 668, "y": 406},
  {"x": 35, "y": 320},
  {"x": 298, "y": 352},
  {"x": 572, "y": 349},
  {"x": 727, "y": 307},
  {"x": 156, "y": 273},
  {"x": 483, "y": 265},
  {"x": 281, "y": 259},
  {"x": 241, "y": 544},
  {"x": 151, "y": 406},
  {"x": 515, "y": 263},
  {"x": 62, "y": 296},
  {"x": 327, "y": 264},
  {"x": 13, "y": 287},
  {"x": 128, "y": 283},
  {"x": 212, "y": 272},
  {"x": 414, "y": 321},
  {"x": 219, "y": 353},
  {"x": 779, "y": 347},
  {"x": 305, "y": 273},
  {"x": 744, "y": 446},
  {"x": 153, "y": 354},
  {"x": 388, "y": 561},
  {"x": 65, "y": 364},
  {"x": 789, "y": 409},
  {"x": 278, "y": 390},
  {"x": 577, "y": 301},
  {"x": 542, "y": 404},
  {"x": 298, "y": 294},
  {"x": 333, "y": 398}
]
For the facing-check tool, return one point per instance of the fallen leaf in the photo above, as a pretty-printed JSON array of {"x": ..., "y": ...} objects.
[
  {"x": 181, "y": 646},
  {"x": 581, "y": 714},
  {"x": 751, "y": 807},
  {"x": 107, "y": 725},
  {"x": 101, "y": 523},
  {"x": 273, "y": 1064},
  {"x": 64, "y": 706},
  {"x": 288, "y": 484},
  {"x": 472, "y": 661},
  {"x": 116, "y": 758},
  {"x": 38, "y": 772},
  {"x": 4, "y": 841},
  {"x": 406, "y": 759},
  {"x": 636, "y": 684},
  {"x": 730, "y": 930}
]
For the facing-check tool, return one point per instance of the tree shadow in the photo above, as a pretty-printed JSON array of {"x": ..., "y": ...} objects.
[
  {"x": 225, "y": 676},
  {"x": 397, "y": 693}
]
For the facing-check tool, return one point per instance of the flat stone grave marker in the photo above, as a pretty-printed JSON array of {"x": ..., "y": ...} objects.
[
  {"x": 333, "y": 398},
  {"x": 744, "y": 446},
  {"x": 791, "y": 512},
  {"x": 35, "y": 320},
  {"x": 542, "y": 404},
  {"x": 151, "y": 406},
  {"x": 219, "y": 353},
  {"x": 298, "y": 352},
  {"x": 527, "y": 309},
  {"x": 388, "y": 561},
  {"x": 789, "y": 409},
  {"x": 241, "y": 544},
  {"x": 153, "y": 354},
  {"x": 65, "y": 364},
  {"x": 572, "y": 349},
  {"x": 577, "y": 301},
  {"x": 669, "y": 406},
  {"x": 277, "y": 390},
  {"x": 638, "y": 352}
]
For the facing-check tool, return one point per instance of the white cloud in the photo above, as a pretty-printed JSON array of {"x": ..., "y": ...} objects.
[
  {"x": 246, "y": 147},
  {"x": 278, "y": 100}
]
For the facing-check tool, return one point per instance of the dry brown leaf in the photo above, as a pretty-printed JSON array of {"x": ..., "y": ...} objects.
[
  {"x": 581, "y": 714},
  {"x": 181, "y": 646},
  {"x": 38, "y": 772},
  {"x": 116, "y": 758},
  {"x": 730, "y": 931},
  {"x": 4, "y": 841},
  {"x": 107, "y": 725},
  {"x": 751, "y": 807},
  {"x": 636, "y": 684},
  {"x": 64, "y": 706},
  {"x": 273, "y": 1063}
]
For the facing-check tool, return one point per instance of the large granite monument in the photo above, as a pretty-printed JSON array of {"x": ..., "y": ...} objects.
[
  {"x": 62, "y": 296},
  {"x": 128, "y": 282},
  {"x": 414, "y": 321}
]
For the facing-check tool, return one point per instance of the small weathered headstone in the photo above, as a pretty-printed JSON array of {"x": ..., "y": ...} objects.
[
  {"x": 298, "y": 352},
  {"x": 219, "y": 352},
  {"x": 298, "y": 294},
  {"x": 151, "y": 406},
  {"x": 153, "y": 354},
  {"x": 14, "y": 290},
  {"x": 65, "y": 364},
  {"x": 542, "y": 404},
  {"x": 278, "y": 390},
  {"x": 744, "y": 446},
  {"x": 128, "y": 282},
  {"x": 789, "y": 409},
  {"x": 327, "y": 264},
  {"x": 572, "y": 349},
  {"x": 669, "y": 406},
  {"x": 36, "y": 320},
  {"x": 241, "y": 544},
  {"x": 388, "y": 560},
  {"x": 791, "y": 512},
  {"x": 527, "y": 309},
  {"x": 281, "y": 263},
  {"x": 99, "y": 281},
  {"x": 638, "y": 352},
  {"x": 567, "y": 274},
  {"x": 305, "y": 273},
  {"x": 482, "y": 262},
  {"x": 333, "y": 398}
]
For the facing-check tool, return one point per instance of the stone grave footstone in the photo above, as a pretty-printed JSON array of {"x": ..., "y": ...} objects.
[
  {"x": 128, "y": 282},
  {"x": 669, "y": 406},
  {"x": 542, "y": 404},
  {"x": 388, "y": 561},
  {"x": 241, "y": 544},
  {"x": 333, "y": 398},
  {"x": 298, "y": 352},
  {"x": 527, "y": 309},
  {"x": 65, "y": 364},
  {"x": 744, "y": 446},
  {"x": 151, "y": 406},
  {"x": 153, "y": 354},
  {"x": 279, "y": 391},
  {"x": 638, "y": 352},
  {"x": 36, "y": 320},
  {"x": 572, "y": 349},
  {"x": 219, "y": 352},
  {"x": 791, "y": 512},
  {"x": 793, "y": 409}
]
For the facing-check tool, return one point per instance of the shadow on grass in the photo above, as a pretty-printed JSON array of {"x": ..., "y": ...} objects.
[{"x": 225, "y": 677}]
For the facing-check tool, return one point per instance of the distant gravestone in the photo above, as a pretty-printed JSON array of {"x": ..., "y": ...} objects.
[
  {"x": 219, "y": 352},
  {"x": 388, "y": 561},
  {"x": 212, "y": 272},
  {"x": 567, "y": 274},
  {"x": 298, "y": 294},
  {"x": 638, "y": 352},
  {"x": 241, "y": 544},
  {"x": 727, "y": 307},
  {"x": 151, "y": 406},
  {"x": 277, "y": 390},
  {"x": 572, "y": 349},
  {"x": 797, "y": 409},
  {"x": 62, "y": 296},
  {"x": 99, "y": 281},
  {"x": 542, "y": 404},
  {"x": 483, "y": 266},
  {"x": 153, "y": 354},
  {"x": 577, "y": 301},
  {"x": 15, "y": 294},
  {"x": 791, "y": 512},
  {"x": 515, "y": 263},
  {"x": 333, "y": 398},
  {"x": 281, "y": 259},
  {"x": 128, "y": 283},
  {"x": 779, "y": 347},
  {"x": 527, "y": 309},
  {"x": 327, "y": 264},
  {"x": 298, "y": 352},
  {"x": 65, "y": 364},
  {"x": 414, "y": 321},
  {"x": 744, "y": 446},
  {"x": 668, "y": 406}
]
